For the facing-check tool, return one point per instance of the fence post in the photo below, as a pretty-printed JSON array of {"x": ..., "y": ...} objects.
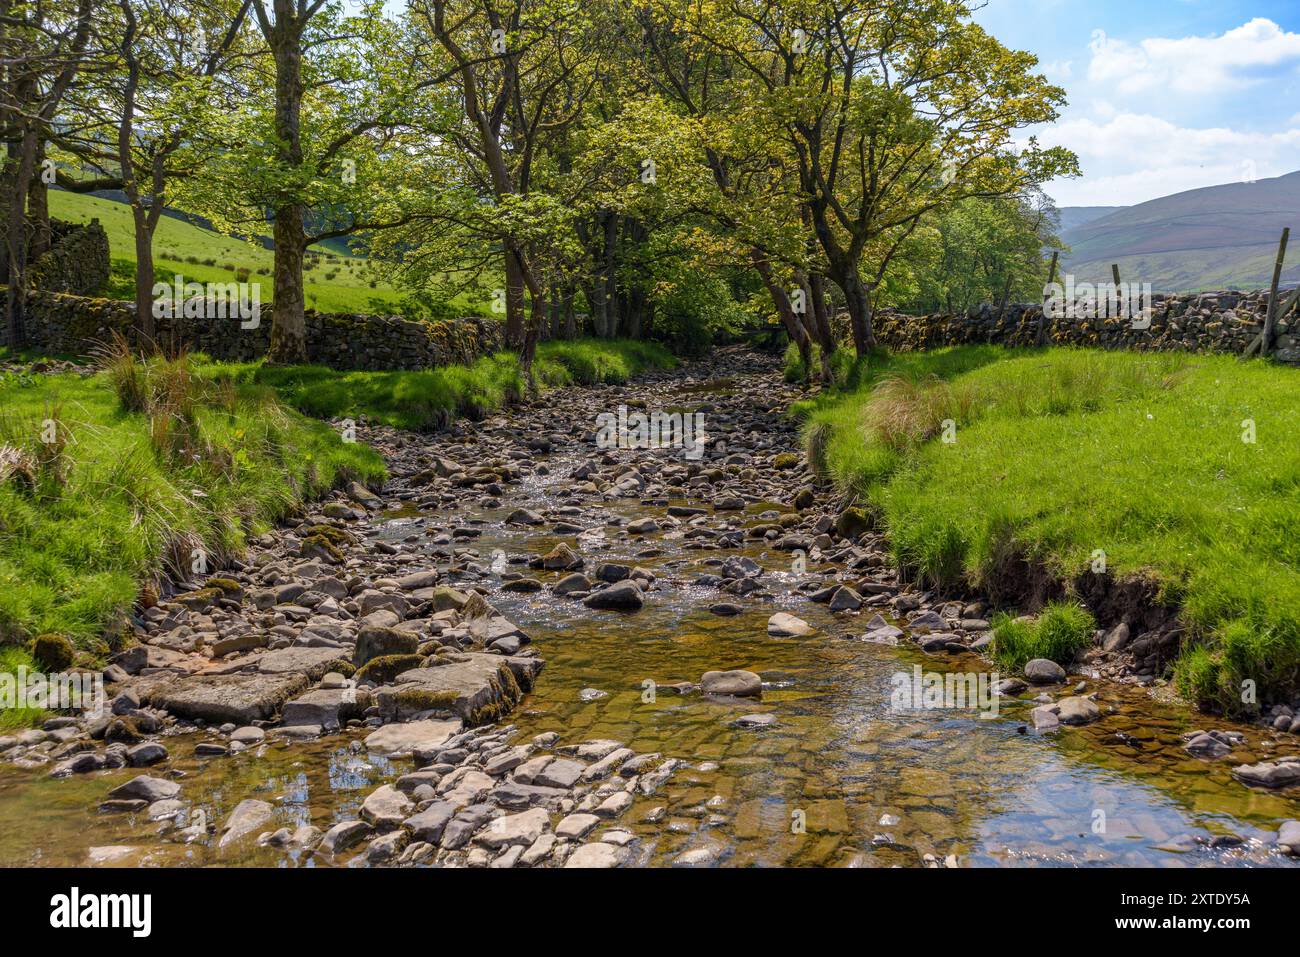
[
  {"x": 1114, "y": 274},
  {"x": 1270, "y": 318}
]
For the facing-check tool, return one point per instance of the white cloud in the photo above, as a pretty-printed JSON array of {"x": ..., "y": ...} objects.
[
  {"x": 1129, "y": 158},
  {"x": 1213, "y": 64},
  {"x": 1058, "y": 70}
]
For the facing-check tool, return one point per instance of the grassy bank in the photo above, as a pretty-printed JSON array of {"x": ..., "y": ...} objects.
[
  {"x": 107, "y": 479},
  {"x": 1184, "y": 468},
  {"x": 427, "y": 400}
]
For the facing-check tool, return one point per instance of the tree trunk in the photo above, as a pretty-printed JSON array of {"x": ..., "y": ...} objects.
[
  {"x": 536, "y": 320},
  {"x": 822, "y": 322},
  {"x": 38, "y": 210},
  {"x": 609, "y": 266},
  {"x": 16, "y": 239},
  {"x": 514, "y": 333},
  {"x": 570, "y": 316},
  {"x": 288, "y": 322},
  {"x": 146, "y": 328},
  {"x": 857, "y": 299},
  {"x": 793, "y": 325},
  {"x": 288, "y": 315}
]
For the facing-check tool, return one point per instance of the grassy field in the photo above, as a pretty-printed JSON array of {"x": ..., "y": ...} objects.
[
  {"x": 428, "y": 400},
  {"x": 112, "y": 476},
  {"x": 334, "y": 283},
  {"x": 1184, "y": 468}
]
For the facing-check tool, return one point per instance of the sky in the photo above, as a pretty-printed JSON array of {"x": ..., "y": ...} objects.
[{"x": 1164, "y": 95}]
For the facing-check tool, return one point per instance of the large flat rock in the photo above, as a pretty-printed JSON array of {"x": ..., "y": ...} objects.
[
  {"x": 242, "y": 699},
  {"x": 481, "y": 688},
  {"x": 415, "y": 737},
  {"x": 312, "y": 662}
]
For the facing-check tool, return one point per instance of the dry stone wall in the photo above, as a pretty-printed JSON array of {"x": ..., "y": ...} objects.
[
  {"x": 75, "y": 325},
  {"x": 1199, "y": 322}
]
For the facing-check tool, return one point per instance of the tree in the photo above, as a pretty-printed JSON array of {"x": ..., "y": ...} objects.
[
  {"x": 318, "y": 154},
  {"x": 892, "y": 111},
  {"x": 42, "y": 48}
]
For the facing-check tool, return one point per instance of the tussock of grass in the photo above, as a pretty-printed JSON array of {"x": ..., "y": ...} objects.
[
  {"x": 1059, "y": 633},
  {"x": 424, "y": 401},
  {"x": 611, "y": 361},
  {"x": 1062, "y": 453},
  {"x": 133, "y": 494}
]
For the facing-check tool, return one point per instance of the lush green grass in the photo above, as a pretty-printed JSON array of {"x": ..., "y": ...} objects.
[
  {"x": 333, "y": 282},
  {"x": 89, "y": 519},
  {"x": 1069, "y": 457},
  {"x": 11, "y": 659},
  {"x": 428, "y": 400},
  {"x": 1057, "y": 634}
]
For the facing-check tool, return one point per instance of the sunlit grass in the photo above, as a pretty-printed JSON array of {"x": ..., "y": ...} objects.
[{"x": 1061, "y": 454}]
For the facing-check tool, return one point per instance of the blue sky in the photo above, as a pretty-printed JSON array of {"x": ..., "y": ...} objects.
[{"x": 1164, "y": 95}]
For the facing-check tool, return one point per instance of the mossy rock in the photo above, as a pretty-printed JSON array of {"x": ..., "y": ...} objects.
[
  {"x": 54, "y": 652},
  {"x": 229, "y": 586},
  {"x": 386, "y": 668},
  {"x": 785, "y": 461},
  {"x": 200, "y": 599},
  {"x": 123, "y": 730},
  {"x": 446, "y": 598},
  {"x": 331, "y": 533},
  {"x": 412, "y": 701},
  {"x": 319, "y": 543},
  {"x": 853, "y": 522}
]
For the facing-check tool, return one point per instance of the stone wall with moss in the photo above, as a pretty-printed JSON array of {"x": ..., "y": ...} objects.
[
  {"x": 77, "y": 261},
  {"x": 76, "y": 324},
  {"x": 1198, "y": 322}
]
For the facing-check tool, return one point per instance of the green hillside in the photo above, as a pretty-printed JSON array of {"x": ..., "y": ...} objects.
[
  {"x": 1219, "y": 237},
  {"x": 334, "y": 282}
]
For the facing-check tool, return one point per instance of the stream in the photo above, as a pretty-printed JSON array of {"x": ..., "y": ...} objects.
[{"x": 831, "y": 774}]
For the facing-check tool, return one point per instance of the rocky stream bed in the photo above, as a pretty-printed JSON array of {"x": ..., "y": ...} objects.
[{"x": 528, "y": 651}]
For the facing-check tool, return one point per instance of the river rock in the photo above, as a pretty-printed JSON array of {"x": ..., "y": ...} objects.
[
  {"x": 326, "y": 707},
  {"x": 572, "y": 583},
  {"x": 1044, "y": 671},
  {"x": 595, "y": 855},
  {"x": 479, "y": 687},
  {"x": 783, "y": 625},
  {"x": 379, "y": 642},
  {"x": 845, "y": 599},
  {"x": 386, "y": 808},
  {"x": 622, "y": 596},
  {"x": 1207, "y": 745},
  {"x": 145, "y": 788},
  {"x": 342, "y": 836},
  {"x": 738, "y": 684},
  {"x": 515, "y": 829},
  {"x": 249, "y": 815},
  {"x": 1288, "y": 838},
  {"x": 1078, "y": 710},
  {"x": 1270, "y": 774},
  {"x": 429, "y": 824},
  {"x": 423, "y": 737},
  {"x": 241, "y": 699}
]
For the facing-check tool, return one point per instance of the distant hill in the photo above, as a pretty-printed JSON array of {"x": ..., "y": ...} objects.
[
  {"x": 1217, "y": 237},
  {"x": 1073, "y": 217}
]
